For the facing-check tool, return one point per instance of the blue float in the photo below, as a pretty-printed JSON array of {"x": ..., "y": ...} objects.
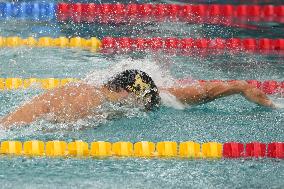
[{"x": 33, "y": 11}]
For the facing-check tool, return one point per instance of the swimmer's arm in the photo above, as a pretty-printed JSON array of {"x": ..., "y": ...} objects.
[
  {"x": 251, "y": 93},
  {"x": 26, "y": 114},
  {"x": 209, "y": 91}
]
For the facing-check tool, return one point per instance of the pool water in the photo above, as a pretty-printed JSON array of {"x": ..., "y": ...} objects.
[{"x": 223, "y": 120}]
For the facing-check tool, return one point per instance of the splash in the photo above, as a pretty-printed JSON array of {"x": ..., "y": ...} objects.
[
  {"x": 161, "y": 76},
  {"x": 157, "y": 69},
  {"x": 278, "y": 101}
]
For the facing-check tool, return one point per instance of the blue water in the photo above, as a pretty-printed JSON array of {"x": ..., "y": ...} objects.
[{"x": 223, "y": 120}]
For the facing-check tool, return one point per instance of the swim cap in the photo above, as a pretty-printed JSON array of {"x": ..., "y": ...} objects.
[{"x": 139, "y": 83}]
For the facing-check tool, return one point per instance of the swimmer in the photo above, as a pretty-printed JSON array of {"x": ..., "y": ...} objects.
[{"x": 76, "y": 101}]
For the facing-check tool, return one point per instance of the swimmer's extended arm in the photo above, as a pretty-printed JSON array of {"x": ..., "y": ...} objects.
[{"x": 208, "y": 91}]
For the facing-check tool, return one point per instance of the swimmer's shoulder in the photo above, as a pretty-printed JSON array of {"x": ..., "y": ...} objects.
[{"x": 74, "y": 89}]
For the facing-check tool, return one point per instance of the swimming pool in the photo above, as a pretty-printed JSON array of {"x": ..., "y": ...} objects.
[{"x": 229, "y": 119}]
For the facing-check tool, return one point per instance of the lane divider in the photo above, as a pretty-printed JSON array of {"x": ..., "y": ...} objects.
[
  {"x": 145, "y": 149},
  {"x": 125, "y": 44},
  {"x": 92, "y": 43},
  {"x": 186, "y": 44},
  {"x": 28, "y": 10},
  {"x": 83, "y": 12},
  {"x": 268, "y": 87},
  {"x": 41, "y": 83}
]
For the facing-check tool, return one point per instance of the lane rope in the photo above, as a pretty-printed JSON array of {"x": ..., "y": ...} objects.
[
  {"x": 82, "y": 12},
  {"x": 126, "y": 44},
  {"x": 185, "y": 44},
  {"x": 28, "y": 10},
  {"x": 92, "y": 43},
  {"x": 268, "y": 86},
  {"x": 145, "y": 149}
]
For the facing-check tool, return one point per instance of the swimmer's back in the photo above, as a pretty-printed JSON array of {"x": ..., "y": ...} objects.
[{"x": 72, "y": 102}]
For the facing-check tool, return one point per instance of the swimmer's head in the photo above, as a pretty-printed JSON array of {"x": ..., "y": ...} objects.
[{"x": 138, "y": 83}]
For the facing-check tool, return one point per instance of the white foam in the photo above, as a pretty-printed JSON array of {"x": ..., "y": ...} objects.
[
  {"x": 279, "y": 102},
  {"x": 170, "y": 100}
]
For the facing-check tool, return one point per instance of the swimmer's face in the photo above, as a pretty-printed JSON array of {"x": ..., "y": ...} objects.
[
  {"x": 130, "y": 99},
  {"x": 143, "y": 102}
]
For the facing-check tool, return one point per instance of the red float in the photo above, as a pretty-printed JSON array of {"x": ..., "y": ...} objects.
[
  {"x": 215, "y": 10},
  {"x": 255, "y": 150},
  {"x": 131, "y": 9},
  {"x": 255, "y": 83},
  {"x": 106, "y": 12},
  {"x": 242, "y": 10},
  {"x": 131, "y": 12},
  {"x": 63, "y": 11},
  {"x": 145, "y": 10},
  {"x": 228, "y": 10},
  {"x": 124, "y": 43},
  {"x": 106, "y": 9},
  {"x": 160, "y": 11},
  {"x": 118, "y": 13},
  {"x": 91, "y": 12},
  {"x": 270, "y": 87},
  {"x": 218, "y": 43},
  {"x": 186, "y": 13},
  {"x": 187, "y": 43},
  {"x": 155, "y": 43},
  {"x": 266, "y": 44},
  {"x": 140, "y": 44},
  {"x": 275, "y": 150},
  {"x": 172, "y": 43},
  {"x": 268, "y": 11},
  {"x": 202, "y": 43},
  {"x": 249, "y": 44},
  {"x": 77, "y": 12},
  {"x": 254, "y": 10},
  {"x": 279, "y": 11},
  {"x": 233, "y": 43},
  {"x": 233, "y": 150},
  {"x": 279, "y": 44},
  {"x": 173, "y": 10},
  {"x": 200, "y": 10},
  {"x": 119, "y": 9},
  {"x": 108, "y": 43}
]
